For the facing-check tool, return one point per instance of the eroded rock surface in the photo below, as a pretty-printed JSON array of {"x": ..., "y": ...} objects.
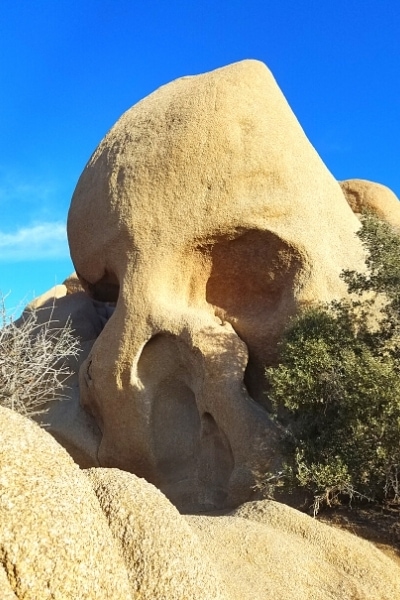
[
  {"x": 54, "y": 539},
  {"x": 200, "y": 224},
  {"x": 163, "y": 555},
  {"x": 363, "y": 195},
  {"x": 268, "y": 550},
  {"x": 104, "y": 533},
  {"x": 208, "y": 218},
  {"x": 66, "y": 419}
]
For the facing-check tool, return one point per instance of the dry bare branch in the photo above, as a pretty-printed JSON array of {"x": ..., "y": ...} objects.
[{"x": 33, "y": 361}]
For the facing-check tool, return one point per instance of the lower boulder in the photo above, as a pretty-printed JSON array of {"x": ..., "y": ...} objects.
[
  {"x": 268, "y": 550},
  {"x": 363, "y": 195},
  {"x": 67, "y": 534},
  {"x": 163, "y": 555},
  {"x": 55, "y": 542}
]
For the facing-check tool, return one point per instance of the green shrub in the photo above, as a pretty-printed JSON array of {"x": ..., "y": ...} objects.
[
  {"x": 33, "y": 362},
  {"x": 336, "y": 389}
]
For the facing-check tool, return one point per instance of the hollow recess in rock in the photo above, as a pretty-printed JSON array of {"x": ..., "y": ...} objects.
[
  {"x": 105, "y": 289},
  {"x": 252, "y": 286},
  {"x": 190, "y": 451}
]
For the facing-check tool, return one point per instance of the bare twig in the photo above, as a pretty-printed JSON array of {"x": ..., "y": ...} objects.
[{"x": 33, "y": 361}]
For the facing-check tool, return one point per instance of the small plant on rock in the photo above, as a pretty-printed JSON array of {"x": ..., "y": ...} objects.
[
  {"x": 336, "y": 389},
  {"x": 33, "y": 362}
]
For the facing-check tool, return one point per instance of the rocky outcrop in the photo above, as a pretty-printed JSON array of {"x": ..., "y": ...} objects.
[
  {"x": 365, "y": 196},
  {"x": 163, "y": 555},
  {"x": 201, "y": 223},
  {"x": 54, "y": 538},
  {"x": 66, "y": 420},
  {"x": 208, "y": 217},
  {"x": 268, "y": 550},
  {"x": 69, "y": 534}
]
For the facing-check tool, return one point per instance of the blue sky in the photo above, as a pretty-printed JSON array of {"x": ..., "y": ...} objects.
[{"x": 69, "y": 69}]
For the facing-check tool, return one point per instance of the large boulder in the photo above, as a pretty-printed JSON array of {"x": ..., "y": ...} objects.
[
  {"x": 364, "y": 196},
  {"x": 206, "y": 214},
  {"x": 268, "y": 550},
  {"x": 65, "y": 418},
  {"x": 164, "y": 557},
  {"x": 104, "y": 533},
  {"x": 54, "y": 538}
]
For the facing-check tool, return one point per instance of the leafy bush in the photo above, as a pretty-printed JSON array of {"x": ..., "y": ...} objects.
[
  {"x": 336, "y": 388},
  {"x": 33, "y": 362}
]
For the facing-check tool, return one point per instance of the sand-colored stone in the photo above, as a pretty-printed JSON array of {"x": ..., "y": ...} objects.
[
  {"x": 48, "y": 298},
  {"x": 363, "y": 195},
  {"x": 268, "y": 550},
  {"x": 76, "y": 309},
  {"x": 104, "y": 533},
  {"x": 73, "y": 284},
  {"x": 5, "y": 587},
  {"x": 66, "y": 420},
  {"x": 55, "y": 542},
  {"x": 210, "y": 217},
  {"x": 164, "y": 558},
  {"x": 73, "y": 427}
]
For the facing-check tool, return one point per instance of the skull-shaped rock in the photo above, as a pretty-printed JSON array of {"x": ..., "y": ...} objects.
[{"x": 208, "y": 217}]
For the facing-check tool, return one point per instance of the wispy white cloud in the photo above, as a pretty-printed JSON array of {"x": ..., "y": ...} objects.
[
  {"x": 30, "y": 198},
  {"x": 36, "y": 242},
  {"x": 25, "y": 192},
  {"x": 16, "y": 186}
]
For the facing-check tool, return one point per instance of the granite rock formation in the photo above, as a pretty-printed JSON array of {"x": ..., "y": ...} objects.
[
  {"x": 69, "y": 534},
  {"x": 208, "y": 218},
  {"x": 364, "y": 196}
]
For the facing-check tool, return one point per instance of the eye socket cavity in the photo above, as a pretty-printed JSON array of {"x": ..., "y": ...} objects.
[{"x": 105, "y": 289}]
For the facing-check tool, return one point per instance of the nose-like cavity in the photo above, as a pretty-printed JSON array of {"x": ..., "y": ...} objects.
[
  {"x": 194, "y": 464},
  {"x": 164, "y": 374},
  {"x": 184, "y": 420},
  {"x": 196, "y": 439}
]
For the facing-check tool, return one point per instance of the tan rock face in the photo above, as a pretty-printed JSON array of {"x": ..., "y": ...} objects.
[
  {"x": 365, "y": 195},
  {"x": 208, "y": 217},
  {"x": 55, "y": 542},
  {"x": 268, "y": 550},
  {"x": 67, "y": 534},
  {"x": 164, "y": 557},
  {"x": 66, "y": 420}
]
